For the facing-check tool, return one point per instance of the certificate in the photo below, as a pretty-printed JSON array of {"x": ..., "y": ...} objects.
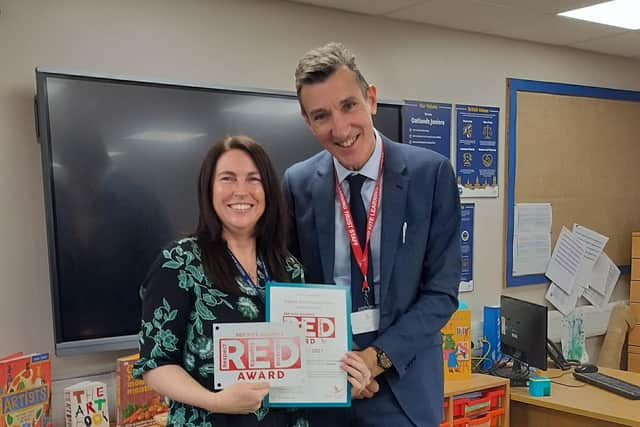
[
  {"x": 256, "y": 352},
  {"x": 322, "y": 311}
]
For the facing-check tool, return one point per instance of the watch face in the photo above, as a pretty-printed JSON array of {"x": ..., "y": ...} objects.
[{"x": 383, "y": 360}]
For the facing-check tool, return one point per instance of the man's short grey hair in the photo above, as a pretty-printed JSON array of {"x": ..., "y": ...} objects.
[{"x": 319, "y": 64}]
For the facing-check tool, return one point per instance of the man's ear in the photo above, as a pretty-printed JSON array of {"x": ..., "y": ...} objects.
[{"x": 372, "y": 99}]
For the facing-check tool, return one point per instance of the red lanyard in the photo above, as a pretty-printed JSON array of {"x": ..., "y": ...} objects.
[{"x": 361, "y": 255}]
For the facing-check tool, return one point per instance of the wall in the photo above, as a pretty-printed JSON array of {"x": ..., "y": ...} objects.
[{"x": 241, "y": 43}]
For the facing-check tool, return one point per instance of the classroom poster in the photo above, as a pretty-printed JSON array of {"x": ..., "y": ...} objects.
[
  {"x": 477, "y": 150},
  {"x": 466, "y": 246},
  {"x": 428, "y": 125}
]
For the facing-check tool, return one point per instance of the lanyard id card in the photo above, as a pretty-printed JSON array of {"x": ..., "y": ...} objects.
[{"x": 363, "y": 321}]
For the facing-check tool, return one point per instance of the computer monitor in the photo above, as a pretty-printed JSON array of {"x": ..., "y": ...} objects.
[{"x": 523, "y": 335}]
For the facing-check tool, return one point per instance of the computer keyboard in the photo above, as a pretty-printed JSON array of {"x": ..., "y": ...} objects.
[{"x": 606, "y": 382}]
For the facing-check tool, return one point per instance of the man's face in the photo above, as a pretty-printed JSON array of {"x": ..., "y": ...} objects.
[{"x": 339, "y": 115}]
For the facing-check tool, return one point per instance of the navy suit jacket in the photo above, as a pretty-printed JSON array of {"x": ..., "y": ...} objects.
[{"x": 419, "y": 277}]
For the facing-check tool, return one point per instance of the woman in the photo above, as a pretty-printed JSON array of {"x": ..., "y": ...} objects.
[{"x": 218, "y": 275}]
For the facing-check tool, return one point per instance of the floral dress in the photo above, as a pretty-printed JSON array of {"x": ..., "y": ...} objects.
[{"x": 179, "y": 306}]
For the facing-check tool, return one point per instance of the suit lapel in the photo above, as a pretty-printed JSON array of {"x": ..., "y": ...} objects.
[
  {"x": 394, "y": 199},
  {"x": 323, "y": 198}
]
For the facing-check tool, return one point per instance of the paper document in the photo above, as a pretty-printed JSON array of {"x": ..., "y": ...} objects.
[
  {"x": 565, "y": 260},
  {"x": 531, "y": 238},
  {"x": 563, "y": 301},
  {"x": 594, "y": 244},
  {"x": 531, "y": 252},
  {"x": 604, "y": 276},
  {"x": 532, "y": 218}
]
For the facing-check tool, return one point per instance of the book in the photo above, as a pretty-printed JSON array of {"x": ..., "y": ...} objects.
[
  {"x": 86, "y": 404},
  {"x": 25, "y": 390},
  {"x": 456, "y": 346},
  {"x": 136, "y": 402}
]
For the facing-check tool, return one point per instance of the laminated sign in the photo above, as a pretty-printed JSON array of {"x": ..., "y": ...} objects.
[{"x": 255, "y": 352}]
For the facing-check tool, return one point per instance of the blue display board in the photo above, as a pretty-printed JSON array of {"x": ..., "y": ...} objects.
[
  {"x": 533, "y": 86},
  {"x": 477, "y": 150},
  {"x": 466, "y": 246},
  {"x": 428, "y": 125}
]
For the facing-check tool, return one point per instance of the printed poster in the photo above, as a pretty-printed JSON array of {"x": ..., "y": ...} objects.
[
  {"x": 427, "y": 125},
  {"x": 466, "y": 246},
  {"x": 477, "y": 150}
]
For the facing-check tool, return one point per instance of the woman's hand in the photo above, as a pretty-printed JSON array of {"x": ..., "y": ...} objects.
[
  {"x": 359, "y": 373},
  {"x": 240, "y": 398},
  {"x": 176, "y": 383}
]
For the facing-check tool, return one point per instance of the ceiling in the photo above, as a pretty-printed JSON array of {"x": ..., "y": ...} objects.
[{"x": 533, "y": 20}]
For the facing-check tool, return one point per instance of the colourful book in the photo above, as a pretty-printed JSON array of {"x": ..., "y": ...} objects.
[
  {"x": 25, "y": 390},
  {"x": 136, "y": 402},
  {"x": 456, "y": 346},
  {"x": 86, "y": 404}
]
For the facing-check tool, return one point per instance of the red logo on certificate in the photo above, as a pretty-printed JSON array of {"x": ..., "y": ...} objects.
[
  {"x": 238, "y": 354},
  {"x": 313, "y": 326}
]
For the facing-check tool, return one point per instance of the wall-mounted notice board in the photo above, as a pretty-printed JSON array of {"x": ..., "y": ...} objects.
[{"x": 578, "y": 148}]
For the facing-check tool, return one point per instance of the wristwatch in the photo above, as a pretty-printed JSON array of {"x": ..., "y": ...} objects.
[{"x": 382, "y": 359}]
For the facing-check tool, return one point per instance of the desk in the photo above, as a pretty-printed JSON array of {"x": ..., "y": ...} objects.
[{"x": 586, "y": 406}]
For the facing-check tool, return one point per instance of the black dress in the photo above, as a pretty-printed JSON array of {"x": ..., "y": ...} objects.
[{"x": 179, "y": 306}]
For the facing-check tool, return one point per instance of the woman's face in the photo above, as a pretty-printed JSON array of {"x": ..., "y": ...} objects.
[{"x": 238, "y": 195}]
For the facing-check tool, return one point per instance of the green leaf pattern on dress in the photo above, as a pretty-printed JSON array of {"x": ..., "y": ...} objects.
[
  {"x": 247, "y": 308},
  {"x": 164, "y": 339},
  {"x": 294, "y": 268},
  {"x": 196, "y": 419},
  {"x": 301, "y": 422}
]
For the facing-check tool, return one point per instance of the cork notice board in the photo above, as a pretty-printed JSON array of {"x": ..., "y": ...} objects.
[{"x": 577, "y": 148}]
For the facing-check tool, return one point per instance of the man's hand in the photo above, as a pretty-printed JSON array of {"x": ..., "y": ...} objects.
[
  {"x": 359, "y": 374},
  {"x": 368, "y": 392},
  {"x": 369, "y": 355}
]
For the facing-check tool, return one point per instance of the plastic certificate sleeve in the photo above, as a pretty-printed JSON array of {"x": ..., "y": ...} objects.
[{"x": 323, "y": 313}]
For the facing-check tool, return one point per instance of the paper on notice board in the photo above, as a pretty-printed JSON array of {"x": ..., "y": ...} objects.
[
  {"x": 531, "y": 238},
  {"x": 605, "y": 276},
  {"x": 532, "y": 218},
  {"x": 565, "y": 260},
  {"x": 531, "y": 253},
  {"x": 565, "y": 302},
  {"x": 594, "y": 244}
]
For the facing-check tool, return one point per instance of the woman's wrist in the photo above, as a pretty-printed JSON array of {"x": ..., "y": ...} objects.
[{"x": 211, "y": 401}]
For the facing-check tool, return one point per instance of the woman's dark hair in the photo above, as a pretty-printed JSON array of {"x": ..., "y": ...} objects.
[{"x": 270, "y": 232}]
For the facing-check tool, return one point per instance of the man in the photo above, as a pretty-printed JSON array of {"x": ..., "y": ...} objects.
[{"x": 403, "y": 266}]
